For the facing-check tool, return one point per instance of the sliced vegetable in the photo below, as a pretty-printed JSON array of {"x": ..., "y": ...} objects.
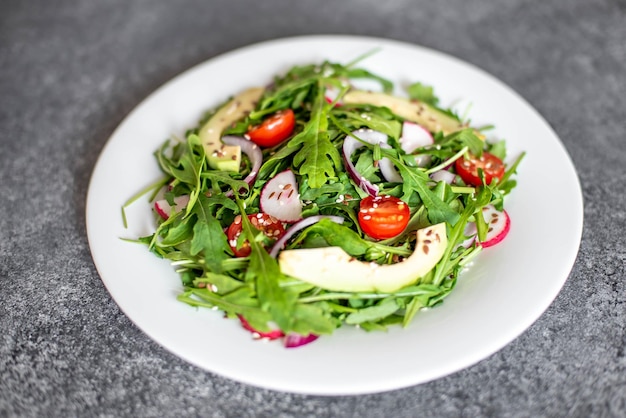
[
  {"x": 492, "y": 167},
  {"x": 270, "y": 335},
  {"x": 443, "y": 175},
  {"x": 274, "y": 129},
  {"x": 414, "y": 136},
  {"x": 280, "y": 197},
  {"x": 351, "y": 144},
  {"x": 252, "y": 151},
  {"x": 498, "y": 225},
  {"x": 164, "y": 209},
  {"x": 415, "y": 111},
  {"x": 330, "y": 95},
  {"x": 280, "y": 244},
  {"x": 332, "y": 268},
  {"x": 383, "y": 217},
  {"x": 297, "y": 340},
  {"x": 221, "y": 156},
  {"x": 271, "y": 227}
]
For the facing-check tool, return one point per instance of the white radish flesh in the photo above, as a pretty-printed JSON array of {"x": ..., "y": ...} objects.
[
  {"x": 414, "y": 136},
  {"x": 330, "y": 94},
  {"x": 498, "y": 225},
  {"x": 164, "y": 209},
  {"x": 280, "y": 197}
]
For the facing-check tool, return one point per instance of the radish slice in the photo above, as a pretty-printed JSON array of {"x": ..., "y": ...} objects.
[
  {"x": 415, "y": 136},
  {"x": 330, "y": 94},
  {"x": 164, "y": 209},
  {"x": 470, "y": 233},
  {"x": 280, "y": 244},
  {"x": 253, "y": 152},
  {"x": 498, "y": 224},
  {"x": 297, "y": 340},
  {"x": 443, "y": 175},
  {"x": 280, "y": 197},
  {"x": 271, "y": 335}
]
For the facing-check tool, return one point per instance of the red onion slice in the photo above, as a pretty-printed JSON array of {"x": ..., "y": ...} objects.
[
  {"x": 351, "y": 144},
  {"x": 297, "y": 340},
  {"x": 443, "y": 175},
  {"x": 253, "y": 152},
  {"x": 279, "y": 245}
]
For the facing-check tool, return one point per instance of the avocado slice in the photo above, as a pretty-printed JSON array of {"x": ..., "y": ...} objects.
[
  {"x": 412, "y": 110},
  {"x": 331, "y": 268},
  {"x": 220, "y": 156}
]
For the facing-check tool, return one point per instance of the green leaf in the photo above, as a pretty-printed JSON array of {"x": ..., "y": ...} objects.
[
  {"x": 423, "y": 93},
  {"x": 317, "y": 157},
  {"x": 414, "y": 180},
  {"x": 373, "y": 313},
  {"x": 179, "y": 231},
  {"x": 311, "y": 319},
  {"x": 263, "y": 270},
  {"x": 219, "y": 283},
  {"x": 338, "y": 235},
  {"x": 208, "y": 236}
]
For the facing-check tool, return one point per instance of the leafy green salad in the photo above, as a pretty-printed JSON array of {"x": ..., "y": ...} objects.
[{"x": 309, "y": 204}]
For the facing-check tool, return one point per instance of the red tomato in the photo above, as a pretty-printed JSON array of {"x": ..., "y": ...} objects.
[
  {"x": 383, "y": 217},
  {"x": 274, "y": 129},
  {"x": 492, "y": 167},
  {"x": 270, "y": 226}
]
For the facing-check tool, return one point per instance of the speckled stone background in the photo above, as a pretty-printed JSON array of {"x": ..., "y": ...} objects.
[{"x": 70, "y": 71}]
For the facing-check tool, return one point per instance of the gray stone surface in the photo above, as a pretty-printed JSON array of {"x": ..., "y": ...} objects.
[{"x": 70, "y": 71}]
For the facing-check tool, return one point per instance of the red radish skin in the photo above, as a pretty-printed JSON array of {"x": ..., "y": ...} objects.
[
  {"x": 280, "y": 197},
  {"x": 270, "y": 335},
  {"x": 296, "y": 340},
  {"x": 164, "y": 209},
  {"x": 330, "y": 94},
  {"x": 498, "y": 225}
]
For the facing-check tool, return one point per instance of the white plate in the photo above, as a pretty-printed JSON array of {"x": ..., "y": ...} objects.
[{"x": 506, "y": 290}]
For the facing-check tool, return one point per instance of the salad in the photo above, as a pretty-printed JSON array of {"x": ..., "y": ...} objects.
[{"x": 309, "y": 204}]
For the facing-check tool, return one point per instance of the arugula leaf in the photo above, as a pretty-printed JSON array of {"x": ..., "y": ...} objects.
[
  {"x": 208, "y": 236},
  {"x": 317, "y": 157},
  {"x": 423, "y": 93},
  {"x": 263, "y": 270},
  {"x": 385, "y": 308},
  {"x": 312, "y": 319},
  {"x": 415, "y": 180}
]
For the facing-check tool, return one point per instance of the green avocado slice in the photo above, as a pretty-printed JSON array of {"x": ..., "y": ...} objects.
[
  {"x": 331, "y": 268},
  {"x": 411, "y": 110},
  {"x": 219, "y": 155}
]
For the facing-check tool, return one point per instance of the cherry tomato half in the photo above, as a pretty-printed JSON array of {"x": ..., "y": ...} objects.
[
  {"x": 383, "y": 217},
  {"x": 270, "y": 226},
  {"x": 467, "y": 168},
  {"x": 274, "y": 129}
]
